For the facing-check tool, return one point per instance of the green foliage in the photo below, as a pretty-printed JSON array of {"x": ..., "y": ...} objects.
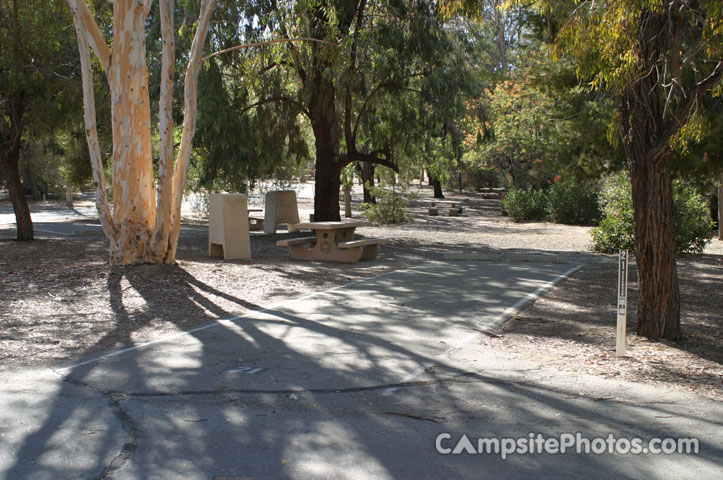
[
  {"x": 617, "y": 227},
  {"x": 477, "y": 178},
  {"x": 693, "y": 225},
  {"x": 515, "y": 131},
  {"x": 525, "y": 204},
  {"x": 390, "y": 207},
  {"x": 573, "y": 203},
  {"x": 235, "y": 145},
  {"x": 37, "y": 64},
  {"x": 39, "y": 94},
  {"x": 539, "y": 122},
  {"x": 371, "y": 81}
]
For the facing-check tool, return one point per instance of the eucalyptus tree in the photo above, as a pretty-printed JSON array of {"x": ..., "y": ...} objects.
[
  {"x": 36, "y": 95},
  {"x": 144, "y": 223},
  {"x": 355, "y": 78}
]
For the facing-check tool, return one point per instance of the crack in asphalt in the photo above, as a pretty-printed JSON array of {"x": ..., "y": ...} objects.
[
  {"x": 127, "y": 423},
  {"x": 369, "y": 388},
  {"x": 114, "y": 398},
  {"x": 464, "y": 378}
]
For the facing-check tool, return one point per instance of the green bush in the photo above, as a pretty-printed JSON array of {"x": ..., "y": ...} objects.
[
  {"x": 573, "y": 203},
  {"x": 522, "y": 205},
  {"x": 693, "y": 225},
  {"x": 390, "y": 206},
  {"x": 617, "y": 227}
]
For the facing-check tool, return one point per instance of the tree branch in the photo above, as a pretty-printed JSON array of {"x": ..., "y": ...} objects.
[
  {"x": 373, "y": 157},
  {"x": 164, "y": 193},
  {"x": 189, "y": 124},
  {"x": 374, "y": 92},
  {"x": 266, "y": 101},
  {"x": 348, "y": 134},
  {"x": 267, "y": 42},
  {"x": 685, "y": 108},
  {"x": 95, "y": 37},
  {"x": 91, "y": 130}
]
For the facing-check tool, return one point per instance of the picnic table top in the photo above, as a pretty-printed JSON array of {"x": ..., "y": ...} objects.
[{"x": 330, "y": 225}]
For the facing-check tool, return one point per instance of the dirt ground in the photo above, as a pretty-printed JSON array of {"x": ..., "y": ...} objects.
[{"x": 59, "y": 299}]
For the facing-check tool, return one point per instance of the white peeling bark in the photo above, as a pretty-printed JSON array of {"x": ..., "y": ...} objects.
[
  {"x": 164, "y": 198},
  {"x": 143, "y": 226},
  {"x": 95, "y": 38},
  {"x": 91, "y": 130},
  {"x": 134, "y": 207},
  {"x": 190, "y": 94}
]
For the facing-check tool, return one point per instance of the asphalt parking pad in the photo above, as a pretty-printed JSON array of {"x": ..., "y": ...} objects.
[
  {"x": 357, "y": 382},
  {"x": 379, "y": 331}
]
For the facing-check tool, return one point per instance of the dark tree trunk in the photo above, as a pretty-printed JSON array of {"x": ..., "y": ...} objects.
[
  {"x": 322, "y": 109},
  {"x": 720, "y": 208},
  {"x": 32, "y": 182},
  {"x": 368, "y": 180},
  {"x": 648, "y": 152},
  {"x": 500, "y": 40},
  {"x": 326, "y": 195},
  {"x": 17, "y": 195},
  {"x": 437, "y": 187},
  {"x": 9, "y": 158},
  {"x": 659, "y": 299},
  {"x": 327, "y": 176}
]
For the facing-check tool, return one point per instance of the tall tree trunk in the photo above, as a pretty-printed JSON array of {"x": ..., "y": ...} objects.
[
  {"x": 659, "y": 298},
  {"x": 328, "y": 168},
  {"x": 328, "y": 183},
  {"x": 69, "y": 195},
  {"x": 437, "y": 187},
  {"x": 347, "y": 202},
  {"x": 548, "y": 27},
  {"x": 500, "y": 39},
  {"x": 647, "y": 148},
  {"x": 9, "y": 157},
  {"x": 134, "y": 234},
  {"x": 368, "y": 182},
  {"x": 17, "y": 195},
  {"x": 322, "y": 107},
  {"x": 134, "y": 209},
  {"x": 720, "y": 207},
  {"x": 32, "y": 182}
]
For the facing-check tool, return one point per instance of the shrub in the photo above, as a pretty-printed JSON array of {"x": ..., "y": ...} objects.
[
  {"x": 522, "y": 205},
  {"x": 617, "y": 227},
  {"x": 390, "y": 206},
  {"x": 573, "y": 203},
  {"x": 693, "y": 225}
]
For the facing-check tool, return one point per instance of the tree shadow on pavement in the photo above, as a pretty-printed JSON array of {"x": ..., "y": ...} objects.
[{"x": 317, "y": 390}]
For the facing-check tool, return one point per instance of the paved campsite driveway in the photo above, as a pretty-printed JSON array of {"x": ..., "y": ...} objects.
[{"x": 356, "y": 382}]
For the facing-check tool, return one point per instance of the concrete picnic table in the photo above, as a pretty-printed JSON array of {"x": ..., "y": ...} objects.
[
  {"x": 334, "y": 242},
  {"x": 452, "y": 207}
]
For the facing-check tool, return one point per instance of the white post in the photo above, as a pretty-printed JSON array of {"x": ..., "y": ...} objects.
[{"x": 622, "y": 303}]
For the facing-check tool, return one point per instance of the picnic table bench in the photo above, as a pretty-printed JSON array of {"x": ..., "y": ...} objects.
[
  {"x": 333, "y": 242},
  {"x": 452, "y": 208},
  {"x": 255, "y": 223}
]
